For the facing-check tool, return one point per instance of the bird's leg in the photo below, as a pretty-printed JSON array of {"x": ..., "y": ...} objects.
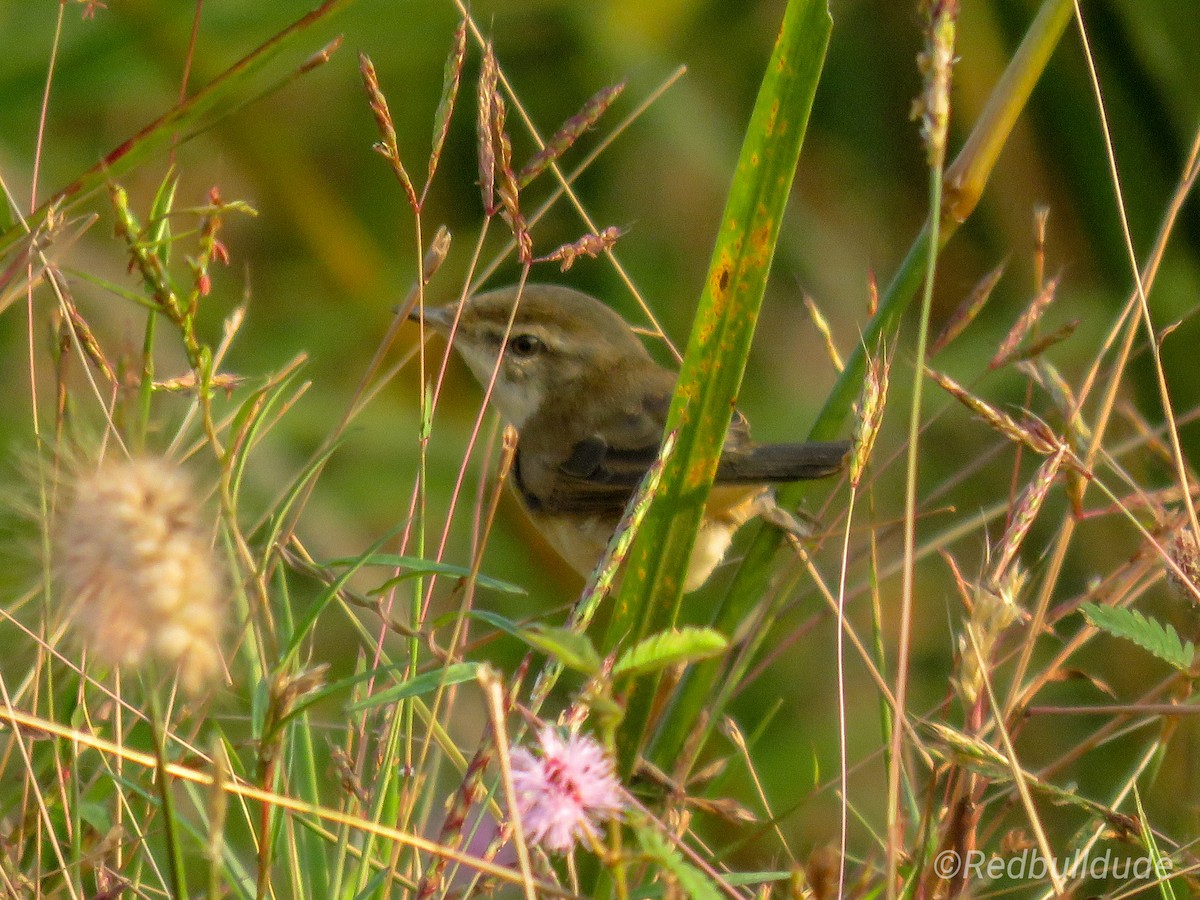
[{"x": 793, "y": 523}]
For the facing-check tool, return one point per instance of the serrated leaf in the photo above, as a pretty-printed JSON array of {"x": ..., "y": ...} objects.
[
  {"x": 669, "y": 648},
  {"x": 571, "y": 648},
  {"x": 1151, "y": 635},
  {"x": 421, "y": 684}
]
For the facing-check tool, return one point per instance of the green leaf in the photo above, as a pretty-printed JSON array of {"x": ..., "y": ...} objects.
[
  {"x": 237, "y": 85},
  {"x": 571, "y": 648},
  {"x": 414, "y": 566},
  {"x": 715, "y": 361},
  {"x": 1151, "y": 635},
  {"x": 669, "y": 648},
  {"x": 421, "y": 684},
  {"x": 753, "y": 573},
  {"x": 692, "y": 882}
]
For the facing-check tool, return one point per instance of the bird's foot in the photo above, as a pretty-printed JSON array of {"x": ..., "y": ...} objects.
[{"x": 796, "y": 523}]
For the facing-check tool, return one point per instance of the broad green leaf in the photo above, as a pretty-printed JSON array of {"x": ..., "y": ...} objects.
[
  {"x": 669, "y": 648},
  {"x": 712, "y": 370}
]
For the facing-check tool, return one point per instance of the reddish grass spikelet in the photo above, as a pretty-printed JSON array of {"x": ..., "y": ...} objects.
[
  {"x": 508, "y": 190},
  {"x": 590, "y": 245},
  {"x": 1034, "y": 435},
  {"x": 1007, "y": 351},
  {"x": 570, "y": 132},
  {"x": 78, "y": 325},
  {"x": 965, "y": 313},
  {"x": 137, "y": 568},
  {"x": 565, "y": 791},
  {"x": 1026, "y": 510},
  {"x": 389, "y": 147},
  {"x": 1036, "y": 348},
  {"x": 439, "y": 249},
  {"x": 322, "y": 56},
  {"x": 458, "y": 817},
  {"x": 211, "y": 249},
  {"x": 451, "y": 79},
  {"x": 90, "y": 8},
  {"x": 489, "y": 75},
  {"x": 1185, "y": 553}
]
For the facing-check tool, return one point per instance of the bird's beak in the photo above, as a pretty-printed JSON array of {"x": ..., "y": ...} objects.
[{"x": 439, "y": 318}]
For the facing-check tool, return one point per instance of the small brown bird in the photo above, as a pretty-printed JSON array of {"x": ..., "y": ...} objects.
[{"x": 590, "y": 406}]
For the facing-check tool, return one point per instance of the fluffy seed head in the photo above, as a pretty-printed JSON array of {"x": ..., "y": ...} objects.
[{"x": 138, "y": 570}]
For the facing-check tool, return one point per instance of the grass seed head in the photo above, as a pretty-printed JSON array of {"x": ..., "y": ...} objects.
[{"x": 137, "y": 568}]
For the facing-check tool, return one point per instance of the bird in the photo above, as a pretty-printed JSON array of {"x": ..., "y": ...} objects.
[{"x": 589, "y": 404}]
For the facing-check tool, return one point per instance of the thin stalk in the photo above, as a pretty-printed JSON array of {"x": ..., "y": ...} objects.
[
  {"x": 935, "y": 120},
  {"x": 171, "y": 830}
]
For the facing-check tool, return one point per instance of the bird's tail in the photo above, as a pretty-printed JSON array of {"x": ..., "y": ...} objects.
[{"x": 767, "y": 463}]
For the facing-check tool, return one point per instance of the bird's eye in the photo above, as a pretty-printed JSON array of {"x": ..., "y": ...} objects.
[{"x": 525, "y": 345}]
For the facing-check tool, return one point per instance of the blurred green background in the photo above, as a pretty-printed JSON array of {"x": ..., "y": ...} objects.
[{"x": 332, "y": 249}]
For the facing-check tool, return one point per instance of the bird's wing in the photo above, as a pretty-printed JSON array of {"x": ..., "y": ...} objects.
[
  {"x": 599, "y": 479},
  {"x": 595, "y": 479}
]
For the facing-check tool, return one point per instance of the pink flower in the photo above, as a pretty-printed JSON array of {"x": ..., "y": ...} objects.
[{"x": 566, "y": 791}]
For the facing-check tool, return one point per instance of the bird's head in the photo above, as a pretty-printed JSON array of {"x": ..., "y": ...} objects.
[{"x": 558, "y": 340}]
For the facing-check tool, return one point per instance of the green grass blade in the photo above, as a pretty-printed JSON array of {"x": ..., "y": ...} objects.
[
  {"x": 198, "y": 112},
  {"x": 968, "y": 173},
  {"x": 715, "y": 361}
]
